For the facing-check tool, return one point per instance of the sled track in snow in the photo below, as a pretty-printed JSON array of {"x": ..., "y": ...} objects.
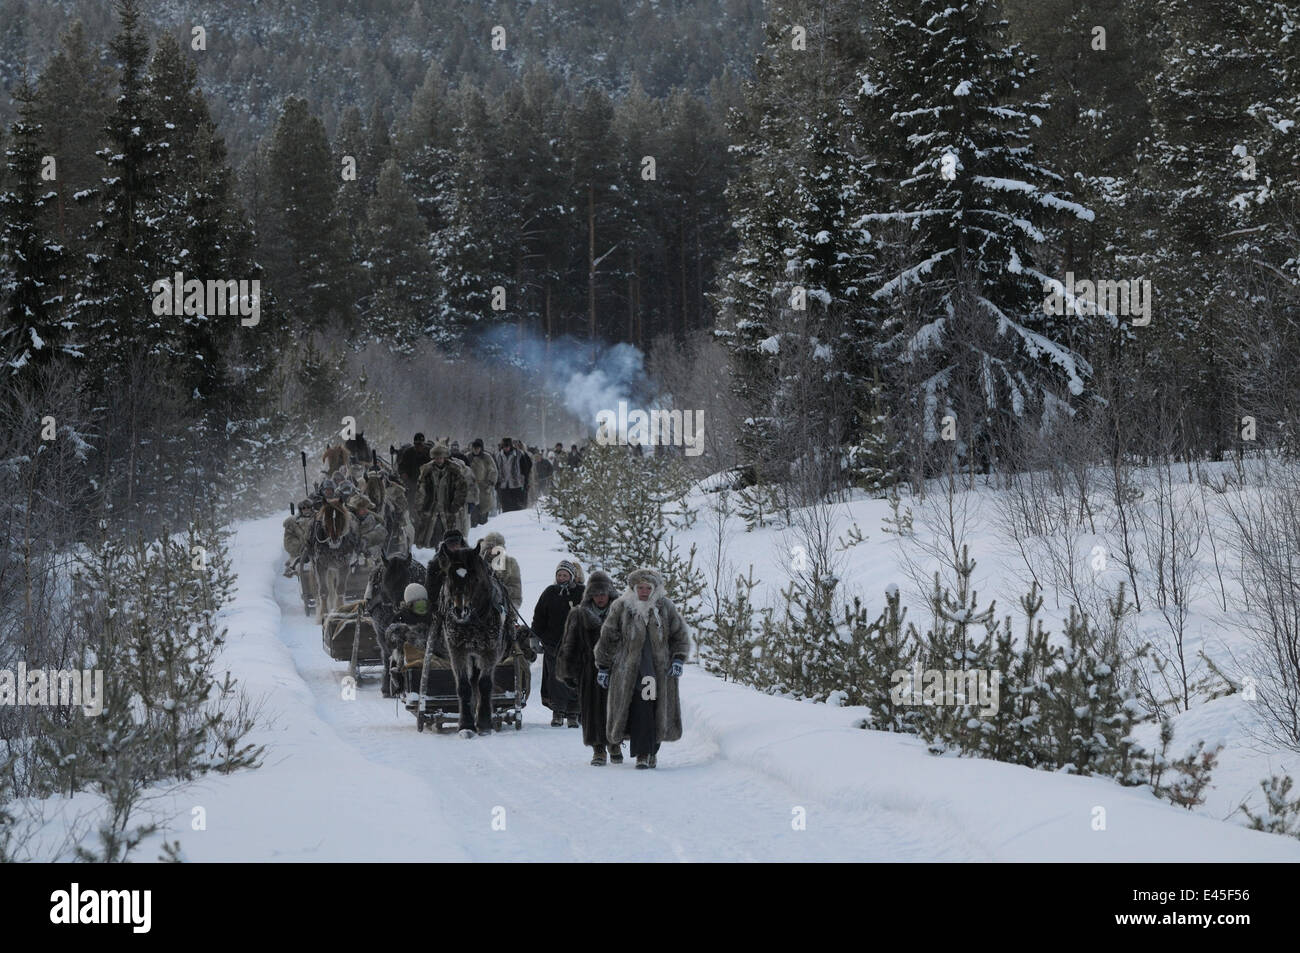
[{"x": 697, "y": 806}]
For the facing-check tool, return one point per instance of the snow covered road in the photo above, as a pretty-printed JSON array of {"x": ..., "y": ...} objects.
[{"x": 353, "y": 780}]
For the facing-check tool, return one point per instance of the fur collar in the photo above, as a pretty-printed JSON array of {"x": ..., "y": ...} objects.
[{"x": 633, "y": 602}]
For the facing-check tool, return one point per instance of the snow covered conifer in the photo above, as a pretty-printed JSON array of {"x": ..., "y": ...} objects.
[
  {"x": 965, "y": 207},
  {"x": 34, "y": 261}
]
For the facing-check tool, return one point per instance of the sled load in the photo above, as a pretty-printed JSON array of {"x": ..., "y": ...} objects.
[
  {"x": 349, "y": 635},
  {"x": 441, "y": 703}
]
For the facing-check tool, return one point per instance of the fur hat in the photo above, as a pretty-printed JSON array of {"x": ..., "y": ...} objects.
[
  {"x": 360, "y": 500},
  {"x": 647, "y": 575},
  {"x": 414, "y": 592},
  {"x": 494, "y": 539},
  {"x": 571, "y": 567},
  {"x": 599, "y": 582},
  {"x": 478, "y": 442},
  {"x": 439, "y": 452}
]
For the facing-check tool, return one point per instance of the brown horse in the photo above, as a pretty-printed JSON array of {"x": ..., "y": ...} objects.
[
  {"x": 333, "y": 543},
  {"x": 335, "y": 457}
]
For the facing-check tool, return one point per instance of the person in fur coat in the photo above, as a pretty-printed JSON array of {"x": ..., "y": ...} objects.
[
  {"x": 440, "y": 499},
  {"x": 575, "y": 665},
  {"x": 639, "y": 657},
  {"x": 549, "y": 616}
]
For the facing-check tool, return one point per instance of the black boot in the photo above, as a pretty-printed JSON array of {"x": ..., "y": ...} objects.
[
  {"x": 615, "y": 754},
  {"x": 557, "y": 719},
  {"x": 598, "y": 759},
  {"x": 573, "y": 722}
]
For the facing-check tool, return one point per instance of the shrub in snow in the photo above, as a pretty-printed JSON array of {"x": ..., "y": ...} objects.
[
  {"x": 1280, "y": 815},
  {"x": 618, "y": 511}
]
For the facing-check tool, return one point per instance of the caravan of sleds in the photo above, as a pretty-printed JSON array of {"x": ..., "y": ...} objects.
[{"x": 463, "y": 663}]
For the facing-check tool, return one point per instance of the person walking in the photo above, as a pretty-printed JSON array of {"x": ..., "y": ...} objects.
[
  {"x": 549, "y": 617},
  {"x": 575, "y": 665},
  {"x": 639, "y": 657}
]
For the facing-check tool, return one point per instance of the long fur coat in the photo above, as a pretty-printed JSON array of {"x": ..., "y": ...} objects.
[
  {"x": 575, "y": 665},
  {"x": 629, "y": 623}
]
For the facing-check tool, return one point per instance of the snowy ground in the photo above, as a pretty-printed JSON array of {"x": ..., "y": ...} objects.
[{"x": 348, "y": 780}]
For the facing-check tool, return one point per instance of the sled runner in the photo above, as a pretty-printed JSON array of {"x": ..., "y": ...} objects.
[
  {"x": 307, "y": 583},
  {"x": 441, "y": 704}
]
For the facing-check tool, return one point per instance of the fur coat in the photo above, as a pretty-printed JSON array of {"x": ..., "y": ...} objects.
[
  {"x": 484, "y": 468},
  {"x": 442, "y": 492},
  {"x": 629, "y": 623},
  {"x": 510, "y": 476},
  {"x": 576, "y": 663}
]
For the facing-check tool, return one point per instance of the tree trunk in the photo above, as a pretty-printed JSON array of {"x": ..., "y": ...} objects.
[{"x": 591, "y": 268}]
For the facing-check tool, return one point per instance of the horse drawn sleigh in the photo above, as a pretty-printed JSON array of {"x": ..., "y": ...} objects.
[{"x": 460, "y": 664}]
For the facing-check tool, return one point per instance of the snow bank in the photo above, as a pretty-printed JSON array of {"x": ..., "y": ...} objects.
[{"x": 1008, "y": 813}]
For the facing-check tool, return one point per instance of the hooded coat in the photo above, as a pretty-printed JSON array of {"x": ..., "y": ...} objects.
[
  {"x": 549, "y": 616},
  {"x": 575, "y": 665},
  {"x": 629, "y": 624}
]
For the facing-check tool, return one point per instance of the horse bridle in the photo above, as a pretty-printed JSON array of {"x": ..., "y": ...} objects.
[{"x": 324, "y": 537}]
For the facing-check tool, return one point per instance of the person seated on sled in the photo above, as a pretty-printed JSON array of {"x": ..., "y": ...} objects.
[
  {"x": 410, "y": 627},
  {"x": 370, "y": 528},
  {"x": 433, "y": 574},
  {"x": 297, "y": 530}
]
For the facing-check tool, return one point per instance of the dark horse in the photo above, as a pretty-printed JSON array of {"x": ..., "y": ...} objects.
[
  {"x": 473, "y": 621},
  {"x": 388, "y": 581}
]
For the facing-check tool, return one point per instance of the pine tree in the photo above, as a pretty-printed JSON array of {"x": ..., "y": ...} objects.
[
  {"x": 1211, "y": 185},
  {"x": 33, "y": 279},
  {"x": 304, "y": 244},
  {"x": 477, "y": 250},
  {"x": 353, "y": 193},
  {"x": 73, "y": 99},
  {"x": 793, "y": 296},
  {"x": 398, "y": 264},
  {"x": 963, "y": 208},
  {"x": 122, "y": 264}
]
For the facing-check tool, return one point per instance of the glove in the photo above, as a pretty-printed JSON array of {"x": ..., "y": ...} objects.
[
  {"x": 676, "y": 670},
  {"x": 602, "y": 677}
]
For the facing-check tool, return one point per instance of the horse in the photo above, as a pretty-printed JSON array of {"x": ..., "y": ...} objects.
[
  {"x": 334, "y": 544},
  {"x": 334, "y": 458},
  {"x": 473, "y": 620},
  {"x": 357, "y": 448},
  {"x": 388, "y": 581}
]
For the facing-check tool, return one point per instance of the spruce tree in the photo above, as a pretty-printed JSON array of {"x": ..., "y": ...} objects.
[
  {"x": 34, "y": 260},
  {"x": 398, "y": 264},
  {"x": 303, "y": 244},
  {"x": 963, "y": 208}
]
